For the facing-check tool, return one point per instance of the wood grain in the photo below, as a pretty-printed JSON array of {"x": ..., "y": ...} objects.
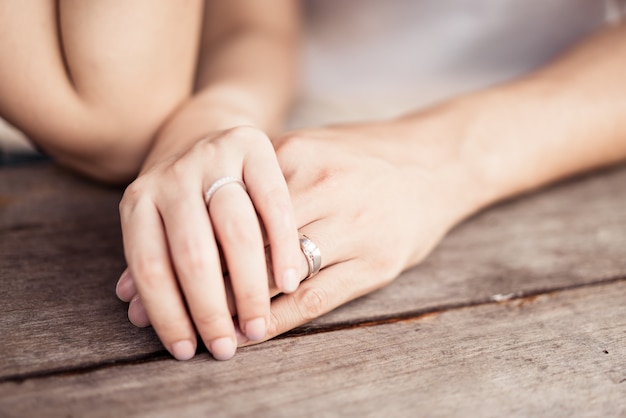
[
  {"x": 561, "y": 354},
  {"x": 61, "y": 254}
]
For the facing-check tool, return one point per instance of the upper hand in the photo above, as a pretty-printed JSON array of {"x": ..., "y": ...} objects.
[{"x": 172, "y": 242}]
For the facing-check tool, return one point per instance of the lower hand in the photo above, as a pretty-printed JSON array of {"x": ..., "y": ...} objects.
[{"x": 374, "y": 203}]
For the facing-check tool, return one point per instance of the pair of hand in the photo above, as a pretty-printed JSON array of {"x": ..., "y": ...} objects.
[{"x": 371, "y": 209}]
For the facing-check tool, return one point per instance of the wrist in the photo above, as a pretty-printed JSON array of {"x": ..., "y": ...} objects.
[
  {"x": 225, "y": 106},
  {"x": 203, "y": 115},
  {"x": 472, "y": 142},
  {"x": 432, "y": 145}
]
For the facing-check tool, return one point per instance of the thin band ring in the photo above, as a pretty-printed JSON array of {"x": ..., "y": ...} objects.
[
  {"x": 219, "y": 183},
  {"x": 312, "y": 254}
]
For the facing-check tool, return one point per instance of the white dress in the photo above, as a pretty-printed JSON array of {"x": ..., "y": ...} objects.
[{"x": 366, "y": 59}]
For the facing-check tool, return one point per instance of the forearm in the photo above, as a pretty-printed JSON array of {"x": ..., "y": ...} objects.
[
  {"x": 566, "y": 118},
  {"x": 246, "y": 76}
]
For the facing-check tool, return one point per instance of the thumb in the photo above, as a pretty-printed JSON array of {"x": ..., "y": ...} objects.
[{"x": 332, "y": 287}]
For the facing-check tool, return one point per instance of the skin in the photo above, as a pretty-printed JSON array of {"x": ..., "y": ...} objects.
[
  {"x": 219, "y": 131},
  {"x": 424, "y": 172},
  {"x": 428, "y": 170},
  {"x": 224, "y": 74}
]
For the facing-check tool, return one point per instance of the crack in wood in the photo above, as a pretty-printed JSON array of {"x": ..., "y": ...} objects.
[
  {"x": 520, "y": 298},
  {"x": 77, "y": 370}
]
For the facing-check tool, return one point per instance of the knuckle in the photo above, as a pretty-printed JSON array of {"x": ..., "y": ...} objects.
[
  {"x": 179, "y": 171},
  {"x": 312, "y": 303},
  {"x": 276, "y": 200},
  {"x": 246, "y": 133},
  {"x": 192, "y": 259},
  {"x": 150, "y": 271},
  {"x": 132, "y": 194},
  {"x": 326, "y": 177},
  {"x": 207, "y": 148},
  {"x": 253, "y": 298},
  {"x": 212, "y": 323},
  {"x": 274, "y": 324},
  {"x": 291, "y": 144},
  {"x": 234, "y": 231},
  {"x": 278, "y": 196},
  {"x": 138, "y": 197},
  {"x": 206, "y": 321}
]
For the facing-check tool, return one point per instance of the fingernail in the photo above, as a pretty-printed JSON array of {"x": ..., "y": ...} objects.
[
  {"x": 290, "y": 280},
  {"x": 183, "y": 350},
  {"x": 137, "y": 313},
  {"x": 223, "y": 348},
  {"x": 125, "y": 288},
  {"x": 255, "y": 329}
]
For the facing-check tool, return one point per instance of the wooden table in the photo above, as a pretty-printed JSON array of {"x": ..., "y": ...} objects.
[{"x": 520, "y": 311}]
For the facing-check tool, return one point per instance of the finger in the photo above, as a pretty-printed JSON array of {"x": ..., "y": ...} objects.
[
  {"x": 237, "y": 229},
  {"x": 125, "y": 288},
  {"x": 268, "y": 190},
  {"x": 137, "y": 313},
  {"x": 315, "y": 231},
  {"x": 335, "y": 248},
  {"x": 196, "y": 261},
  {"x": 332, "y": 250},
  {"x": 331, "y": 288},
  {"x": 148, "y": 260},
  {"x": 310, "y": 201}
]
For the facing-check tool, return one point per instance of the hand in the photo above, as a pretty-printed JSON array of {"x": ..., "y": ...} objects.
[
  {"x": 375, "y": 204},
  {"x": 172, "y": 242}
]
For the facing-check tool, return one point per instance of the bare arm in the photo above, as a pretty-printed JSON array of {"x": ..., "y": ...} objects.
[
  {"x": 173, "y": 238},
  {"x": 430, "y": 169},
  {"x": 92, "y": 83},
  {"x": 566, "y": 118},
  {"x": 246, "y": 73}
]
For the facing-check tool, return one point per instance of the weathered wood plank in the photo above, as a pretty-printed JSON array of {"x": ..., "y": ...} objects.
[
  {"x": 560, "y": 355},
  {"x": 60, "y": 255}
]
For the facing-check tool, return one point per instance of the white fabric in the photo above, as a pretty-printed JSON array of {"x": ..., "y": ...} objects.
[{"x": 378, "y": 58}]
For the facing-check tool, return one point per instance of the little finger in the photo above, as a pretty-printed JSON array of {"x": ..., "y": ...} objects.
[{"x": 148, "y": 260}]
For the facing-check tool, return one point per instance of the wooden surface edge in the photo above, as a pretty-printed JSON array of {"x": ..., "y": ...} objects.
[{"x": 559, "y": 354}]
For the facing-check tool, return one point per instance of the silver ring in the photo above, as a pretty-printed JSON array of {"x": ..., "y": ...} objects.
[
  {"x": 219, "y": 183},
  {"x": 313, "y": 255}
]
